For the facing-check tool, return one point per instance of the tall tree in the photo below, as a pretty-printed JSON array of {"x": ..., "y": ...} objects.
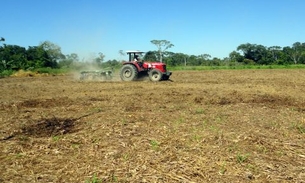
[
  {"x": 162, "y": 46},
  {"x": 256, "y": 53},
  {"x": 178, "y": 59},
  {"x": 193, "y": 60},
  {"x": 150, "y": 56},
  {"x": 275, "y": 52},
  {"x": 261, "y": 55},
  {"x": 13, "y": 57},
  {"x": 54, "y": 52},
  {"x": 205, "y": 56},
  {"x": 37, "y": 57},
  {"x": 236, "y": 57},
  {"x": 296, "y": 52}
]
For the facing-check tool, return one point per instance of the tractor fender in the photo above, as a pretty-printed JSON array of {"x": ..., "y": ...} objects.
[{"x": 134, "y": 63}]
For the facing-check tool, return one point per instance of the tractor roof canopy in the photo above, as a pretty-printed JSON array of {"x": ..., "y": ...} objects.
[{"x": 134, "y": 52}]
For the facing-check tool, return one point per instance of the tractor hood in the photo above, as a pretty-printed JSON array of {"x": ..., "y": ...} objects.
[{"x": 155, "y": 65}]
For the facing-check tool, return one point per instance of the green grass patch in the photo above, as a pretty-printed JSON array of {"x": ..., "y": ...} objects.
[
  {"x": 301, "y": 128},
  {"x": 154, "y": 144},
  {"x": 6, "y": 73},
  {"x": 234, "y": 67},
  {"x": 48, "y": 70},
  {"x": 56, "y": 138},
  {"x": 241, "y": 158},
  {"x": 94, "y": 179}
]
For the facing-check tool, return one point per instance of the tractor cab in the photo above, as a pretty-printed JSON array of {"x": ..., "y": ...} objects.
[{"x": 132, "y": 55}]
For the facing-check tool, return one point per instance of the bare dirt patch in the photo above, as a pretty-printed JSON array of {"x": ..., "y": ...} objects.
[
  {"x": 49, "y": 127},
  {"x": 205, "y": 126}
]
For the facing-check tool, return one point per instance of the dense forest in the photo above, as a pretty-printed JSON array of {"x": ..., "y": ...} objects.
[
  {"x": 49, "y": 55},
  {"x": 247, "y": 54}
]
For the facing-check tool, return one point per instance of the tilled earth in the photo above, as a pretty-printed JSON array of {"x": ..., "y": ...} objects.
[{"x": 203, "y": 126}]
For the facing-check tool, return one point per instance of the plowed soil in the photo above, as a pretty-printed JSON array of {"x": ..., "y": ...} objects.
[{"x": 203, "y": 126}]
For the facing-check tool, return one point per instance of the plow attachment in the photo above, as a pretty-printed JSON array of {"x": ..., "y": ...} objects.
[{"x": 96, "y": 75}]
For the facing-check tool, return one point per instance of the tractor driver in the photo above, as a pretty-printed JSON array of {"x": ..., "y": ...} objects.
[{"x": 137, "y": 59}]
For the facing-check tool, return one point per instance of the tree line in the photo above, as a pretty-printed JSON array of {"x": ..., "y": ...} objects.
[
  {"x": 247, "y": 54},
  {"x": 45, "y": 55},
  {"x": 14, "y": 57},
  {"x": 48, "y": 54}
]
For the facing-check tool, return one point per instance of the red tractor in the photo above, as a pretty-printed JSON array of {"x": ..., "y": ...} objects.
[{"x": 135, "y": 68}]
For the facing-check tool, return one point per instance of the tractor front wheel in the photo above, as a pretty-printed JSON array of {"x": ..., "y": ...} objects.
[
  {"x": 155, "y": 75},
  {"x": 128, "y": 72}
]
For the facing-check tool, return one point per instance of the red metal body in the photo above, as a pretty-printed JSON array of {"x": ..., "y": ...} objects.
[{"x": 145, "y": 66}]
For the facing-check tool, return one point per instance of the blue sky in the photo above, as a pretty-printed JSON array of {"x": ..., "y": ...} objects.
[{"x": 195, "y": 27}]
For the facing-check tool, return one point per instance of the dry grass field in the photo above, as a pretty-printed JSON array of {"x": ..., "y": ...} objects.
[{"x": 204, "y": 126}]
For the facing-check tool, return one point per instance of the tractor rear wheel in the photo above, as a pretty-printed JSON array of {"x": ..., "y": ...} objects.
[
  {"x": 155, "y": 75},
  {"x": 128, "y": 73}
]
